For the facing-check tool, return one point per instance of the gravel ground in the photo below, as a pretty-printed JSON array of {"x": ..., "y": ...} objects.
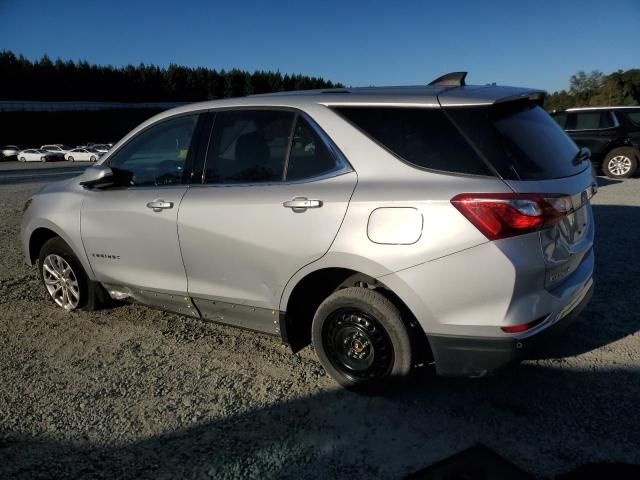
[{"x": 131, "y": 392}]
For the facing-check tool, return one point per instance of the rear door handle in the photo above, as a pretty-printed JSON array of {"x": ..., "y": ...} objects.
[
  {"x": 159, "y": 205},
  {"x": 300, "y": 204}
]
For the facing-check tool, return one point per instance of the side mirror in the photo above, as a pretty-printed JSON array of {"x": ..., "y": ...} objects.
[{"x": 97, "y": 176}]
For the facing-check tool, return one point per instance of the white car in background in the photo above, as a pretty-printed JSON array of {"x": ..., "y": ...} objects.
[
  {"x": 101, "y": 147},
  {"x": 82, "y": 155},
  {"x": 57, "y": 148},
  {"x": 37, "y": 155}
]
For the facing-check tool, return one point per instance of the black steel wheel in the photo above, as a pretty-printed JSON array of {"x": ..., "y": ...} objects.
[
  {"x": 360, "y": 338},
  {"x": 357, "y": 345}
]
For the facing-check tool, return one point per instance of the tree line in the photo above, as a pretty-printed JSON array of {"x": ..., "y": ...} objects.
[
  {"x": 59, "y": 80},
  {"x": 597, "y": 89}
]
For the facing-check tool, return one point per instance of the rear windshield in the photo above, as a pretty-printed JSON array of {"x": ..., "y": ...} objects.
[
  {"x": 423, "y": 137},
  {"x": 520, "y": 140}
]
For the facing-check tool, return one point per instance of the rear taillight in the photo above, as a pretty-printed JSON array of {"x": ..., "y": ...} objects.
[
  {"x": 523, "y": 327},
  {"x": 503, "y": 215}
]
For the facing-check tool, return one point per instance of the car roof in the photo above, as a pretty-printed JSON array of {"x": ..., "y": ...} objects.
[{"x": 423, "y": 96}]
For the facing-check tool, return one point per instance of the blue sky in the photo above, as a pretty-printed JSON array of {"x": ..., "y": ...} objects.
[{"x": 523, "y": 43}]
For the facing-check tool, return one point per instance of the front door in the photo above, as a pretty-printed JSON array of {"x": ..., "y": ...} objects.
[{"x": 129, "y": 231}]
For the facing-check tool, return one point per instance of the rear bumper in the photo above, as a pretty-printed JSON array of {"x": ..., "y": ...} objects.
[{"x": 476, "y": 356}]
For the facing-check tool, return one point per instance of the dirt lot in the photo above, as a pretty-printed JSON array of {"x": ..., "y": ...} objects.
[{"x": 131, "y": 392}]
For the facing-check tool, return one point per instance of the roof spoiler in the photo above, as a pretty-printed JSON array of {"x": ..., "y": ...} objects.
[{"x": 453, "y": 79}]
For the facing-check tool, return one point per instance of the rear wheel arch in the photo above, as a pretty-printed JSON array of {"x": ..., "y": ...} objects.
[{"x": 315, "y": 287}]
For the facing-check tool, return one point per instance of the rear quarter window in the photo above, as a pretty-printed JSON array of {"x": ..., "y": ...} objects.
[
  {"x": 634, "y": 117},
  {"x": 422, "y": 137}
]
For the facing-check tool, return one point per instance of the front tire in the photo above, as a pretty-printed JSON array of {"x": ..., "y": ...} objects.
[
  {"x": 71, "y": 159},
  {"x": 43, "y": 159},
  {"x": 92, "y": 159},
  {"x": 65, "y": 280},
  {"x": 360, "y": 338},
  {"x": 620, "y": 163},
  {"x": 22, "y": 159}
]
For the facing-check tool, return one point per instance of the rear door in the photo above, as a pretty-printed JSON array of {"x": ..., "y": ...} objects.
[
  {"x": 533, "y": 154},
  {"x": 273, "y": 195},
  {"x": 593, "y": 129}
]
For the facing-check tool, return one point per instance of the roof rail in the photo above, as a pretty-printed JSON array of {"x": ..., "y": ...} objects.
[{"x": 453, "y": 79}]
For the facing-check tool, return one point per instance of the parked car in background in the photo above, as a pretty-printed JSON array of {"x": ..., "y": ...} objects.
[
  {"x": 82, "y": 155},
  {"x": 7, "y": 152},
  {"x": 397, "y": 226},
  {"x": 101, "y": 147},
  {"x": 37, "y": 155},
  {"x": 611, "y": 133},
  {"x": 88, "y": 145},
  {"x": 57, "y": 148}
]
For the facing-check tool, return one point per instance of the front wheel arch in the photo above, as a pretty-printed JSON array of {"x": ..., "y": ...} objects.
[{"x": 38, "y": 238}]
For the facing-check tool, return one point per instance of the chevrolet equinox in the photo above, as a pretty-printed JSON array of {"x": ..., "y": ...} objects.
[{"x": 389, "y": 227}]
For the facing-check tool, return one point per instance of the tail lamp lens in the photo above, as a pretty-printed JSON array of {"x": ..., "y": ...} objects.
[
  {"x": 522, "y": 328},
  {"x": 506, "y": 215}
]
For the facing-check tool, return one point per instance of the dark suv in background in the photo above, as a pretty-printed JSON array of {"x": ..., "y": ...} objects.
[{"x": 611, "y": 133}]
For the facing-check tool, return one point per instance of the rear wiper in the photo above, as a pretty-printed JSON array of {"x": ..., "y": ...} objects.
[{"x": 583, "y": 154}]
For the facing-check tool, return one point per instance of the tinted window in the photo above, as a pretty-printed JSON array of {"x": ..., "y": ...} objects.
[
  {"x": 561, "y": 119},
  {"x": 248, "y": 146},
  {"x": 423, "y": 137},
  {"x": 310, "y": 157},
  {"x": 156, "y": 156},
  {"x": 593, "y": 120},
  {"x": 520, "y": 140},
  {"x": 634, "y": 117}
]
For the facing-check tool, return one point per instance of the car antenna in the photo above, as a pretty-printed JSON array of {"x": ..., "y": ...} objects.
[{"x": 453, "y": 79}]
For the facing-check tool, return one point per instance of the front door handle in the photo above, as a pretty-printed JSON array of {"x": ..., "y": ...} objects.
[
  {"x": 159, "y": 205},
  {"x": 300, "y": 204}
]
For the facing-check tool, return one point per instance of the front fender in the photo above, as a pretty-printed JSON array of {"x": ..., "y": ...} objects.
[{"x": 58, "y": 212}]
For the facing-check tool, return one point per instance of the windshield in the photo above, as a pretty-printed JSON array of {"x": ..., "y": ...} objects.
[{"x": 520, "y": 140}]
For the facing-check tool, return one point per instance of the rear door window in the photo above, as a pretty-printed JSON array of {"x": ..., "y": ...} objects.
[
  {"x": 248, "y": 146},
  {"x": 423, "y": 137},
  {"x": 593, "y": 120},
  {"x": 520, "y": 140}
]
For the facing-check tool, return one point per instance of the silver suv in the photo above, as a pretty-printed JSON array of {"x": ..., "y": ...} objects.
[{"x": 389, "y": 227}]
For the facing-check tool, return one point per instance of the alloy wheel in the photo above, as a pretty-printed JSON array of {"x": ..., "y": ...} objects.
[
  {"x": 619, "y": 165},
  {"x": 61, "y": 281}
]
